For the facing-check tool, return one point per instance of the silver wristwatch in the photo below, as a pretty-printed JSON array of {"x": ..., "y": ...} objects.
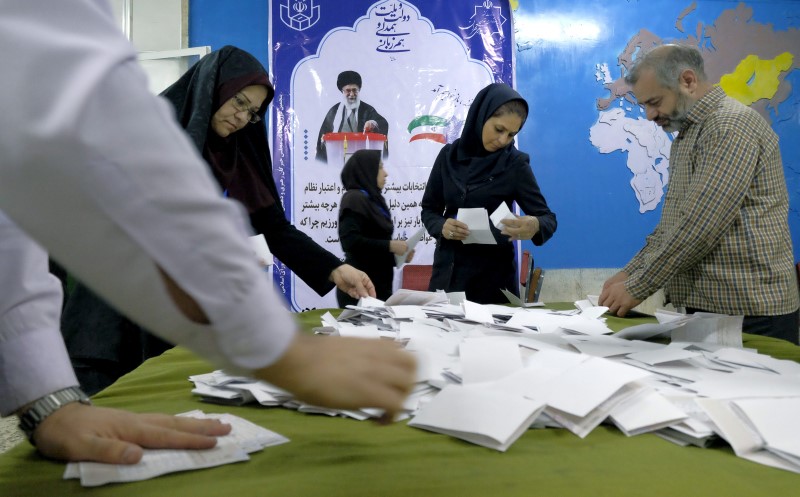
[{"x": 37, "y": 411}]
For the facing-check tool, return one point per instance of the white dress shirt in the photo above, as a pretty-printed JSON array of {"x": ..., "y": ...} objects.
[{"x": 95, "y": 169}]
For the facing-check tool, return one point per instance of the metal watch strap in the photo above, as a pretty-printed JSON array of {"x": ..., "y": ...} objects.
[{"x": 37, "y": 411}]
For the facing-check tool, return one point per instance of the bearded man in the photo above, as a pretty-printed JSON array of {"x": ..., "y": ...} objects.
[
  {"x": 351, "y": 115},
  {"x": 723, "y": 243}
]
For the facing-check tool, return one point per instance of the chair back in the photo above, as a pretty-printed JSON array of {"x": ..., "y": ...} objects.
[
  {"x": 416, "y": 276},
  {"x": 524, "y": 268}
]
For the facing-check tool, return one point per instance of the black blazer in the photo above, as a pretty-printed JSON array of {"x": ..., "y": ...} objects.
[{"x": 481, "y": 270}]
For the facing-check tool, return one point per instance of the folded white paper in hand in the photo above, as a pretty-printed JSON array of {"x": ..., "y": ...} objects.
[
  {"x": 261, "y": 250},
  {"x": 502, "y": 212},
  {"x": 412, "y": 241},
  {"x": 477, "y": 220}
]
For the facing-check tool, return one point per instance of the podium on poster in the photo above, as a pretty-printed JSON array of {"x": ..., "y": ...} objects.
[{"x": 340, "y": 146}]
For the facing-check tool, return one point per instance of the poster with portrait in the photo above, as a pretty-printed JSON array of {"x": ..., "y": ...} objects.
[{"x": 412, "y": 68}]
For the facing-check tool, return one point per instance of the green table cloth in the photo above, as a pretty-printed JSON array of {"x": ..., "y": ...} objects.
[{"x": 344, "y": 457}]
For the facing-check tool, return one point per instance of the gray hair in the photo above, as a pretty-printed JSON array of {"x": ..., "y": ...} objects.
[{"x": 668, "y": 62}]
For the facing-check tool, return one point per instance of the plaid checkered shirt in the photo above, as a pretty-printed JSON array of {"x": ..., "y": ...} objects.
[{"x": 723, "y": 242}]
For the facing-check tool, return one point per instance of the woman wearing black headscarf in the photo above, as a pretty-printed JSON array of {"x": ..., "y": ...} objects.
[
  {"x": 483, "y": 168},
  {"x": 230, "y": 132},
  {"x": 220, "y": 102},
  {"x": 365, "y": 224}
]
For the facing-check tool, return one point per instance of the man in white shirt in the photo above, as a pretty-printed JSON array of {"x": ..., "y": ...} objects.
[{"x": 94, "y": 169}]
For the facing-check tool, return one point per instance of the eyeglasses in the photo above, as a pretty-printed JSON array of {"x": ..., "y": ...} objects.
[{"x": 241, "y": 105}]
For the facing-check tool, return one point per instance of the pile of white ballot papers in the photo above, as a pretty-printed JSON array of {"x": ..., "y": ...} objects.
[
  {"x": 245, "y": 437},
  {"x": 488, "y": 373}
]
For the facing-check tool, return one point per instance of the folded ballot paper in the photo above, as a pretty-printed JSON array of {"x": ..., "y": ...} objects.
[
  {"x": 245, "y": 437},
  {"x": 514, "y": 300},
  {"x": 478, "y": 218},
  {"x": 261, "y": 250},
  {"x": 477, "y": 414},
  {"x": 412, "y": 241},
  {"x": 762, "y": 430}
]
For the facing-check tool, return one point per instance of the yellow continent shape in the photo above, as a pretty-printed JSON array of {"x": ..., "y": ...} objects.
[{"x": 754, "y": 78}]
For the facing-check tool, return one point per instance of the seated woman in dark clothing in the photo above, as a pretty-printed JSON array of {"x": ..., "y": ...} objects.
[
  {"x": 220, "y": 102},
  {"x": 365, "y": 224}
]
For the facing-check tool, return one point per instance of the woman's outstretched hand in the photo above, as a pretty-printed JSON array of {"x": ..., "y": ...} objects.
[{"x": 352, "y": 281}]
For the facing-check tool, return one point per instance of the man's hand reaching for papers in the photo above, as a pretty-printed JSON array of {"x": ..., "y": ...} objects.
[
  {"x": 616, "y": 297},
  {"x": 344, "y": 373}
]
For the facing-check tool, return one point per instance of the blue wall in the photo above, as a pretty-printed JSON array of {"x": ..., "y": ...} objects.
[
  {"x": 242, "y": 23},
  {"x": 599, "y": 221}
]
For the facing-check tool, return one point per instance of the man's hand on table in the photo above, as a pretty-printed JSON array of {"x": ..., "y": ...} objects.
[
  {"x": 345, "y": 373},
  {"x": 79, "y": 432}
]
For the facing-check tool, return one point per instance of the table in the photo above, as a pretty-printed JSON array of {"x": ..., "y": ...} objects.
[{"x": 344, "y": 457}]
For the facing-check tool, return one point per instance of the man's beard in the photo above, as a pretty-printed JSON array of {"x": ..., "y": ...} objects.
[
  {"x": 351, "y": 106},
  {"x": 677, "y": 119}
]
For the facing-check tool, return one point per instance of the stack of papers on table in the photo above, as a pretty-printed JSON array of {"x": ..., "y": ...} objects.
[
  {"x": 245, "y": 437},
  {"x": 220, "y": 388},
  {"x": 488, "y": 373},
  {"x": 645, "y": 411},
  {"x": 764, "y": 430},
  {"x": 478, "y": 414}
]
